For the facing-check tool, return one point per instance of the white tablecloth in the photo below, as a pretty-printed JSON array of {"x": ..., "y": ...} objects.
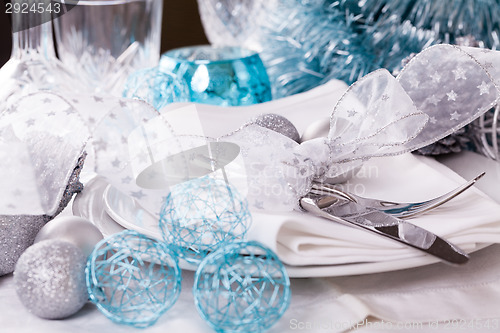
[{"x": 324, "y": 304}]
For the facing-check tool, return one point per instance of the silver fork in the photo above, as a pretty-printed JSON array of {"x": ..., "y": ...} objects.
[{"x": 396, "y": 209}]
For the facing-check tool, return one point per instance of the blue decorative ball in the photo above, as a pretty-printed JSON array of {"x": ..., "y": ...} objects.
[
  {"x": 201, "y": 215},
  {"x": 157, "y": 87},
  {"x": 241, "y": 287},
  {"x": 133, "y": 279}
]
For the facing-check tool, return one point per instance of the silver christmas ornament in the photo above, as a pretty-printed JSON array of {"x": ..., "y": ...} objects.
[
  {"x": 49, "y": 279},
  {"x": 278, "y": 124},
  {"x": 318, "y": 129},
  {"x": 18, "y": 232},
  {"x": 73, "y": 229}
]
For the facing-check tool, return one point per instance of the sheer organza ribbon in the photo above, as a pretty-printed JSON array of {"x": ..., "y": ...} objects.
[{"x": 441, "y": 89}]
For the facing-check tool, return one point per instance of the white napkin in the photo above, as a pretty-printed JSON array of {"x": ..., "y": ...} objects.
[
  {"x": 433, "y": 298},
  {"x": 301, "y": 109},
  {"x": 469, "y": 221}
]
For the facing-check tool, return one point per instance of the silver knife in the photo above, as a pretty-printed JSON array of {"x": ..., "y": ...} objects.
[{"x": 353, "y": 214}]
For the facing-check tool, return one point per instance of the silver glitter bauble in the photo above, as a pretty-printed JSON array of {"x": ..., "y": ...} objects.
[
  {"x": 50, "y": 279},
  {"x": 18, "y": 232},
  {"x": 278, "y": 124},
  {"x": 76, "y": 230}
]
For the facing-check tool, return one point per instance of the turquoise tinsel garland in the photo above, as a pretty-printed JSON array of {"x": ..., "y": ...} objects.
[
  {"x": 304, "y": 43},
  {"x": 394, "y": 29}
]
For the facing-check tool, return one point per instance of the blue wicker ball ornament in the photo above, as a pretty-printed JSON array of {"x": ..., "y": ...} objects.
[
  {"x": 156, "y": 87},
  {"x": 201, "y": 215},
  {"x": 133, "y": 279},
  {"x": 241, "y": 287}
]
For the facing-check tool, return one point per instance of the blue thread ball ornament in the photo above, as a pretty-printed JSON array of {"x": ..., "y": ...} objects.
[
  {"x": 156, "y": 87},
  {"x": 201, "y": 215},
  {"x": 133, "y": 279},
  {"x": 241, "y": 287}
]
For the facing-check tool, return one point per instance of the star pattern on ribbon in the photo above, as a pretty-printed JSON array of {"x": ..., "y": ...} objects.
[
  {"x": 381, "y": 115},
  {"x": 484, "y": 88},
  {"x": 459, "y": 73}
]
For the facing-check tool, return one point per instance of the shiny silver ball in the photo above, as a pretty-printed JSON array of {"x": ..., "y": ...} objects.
[
  {"x": 318, "y": 129},
  {"x": 278, "y": 124},
  {"x": 74, "y": 229},
  {"x": 49, "y": 279}
]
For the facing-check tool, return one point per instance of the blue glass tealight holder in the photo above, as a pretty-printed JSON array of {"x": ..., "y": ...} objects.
[{"x": 226, "y": 76}]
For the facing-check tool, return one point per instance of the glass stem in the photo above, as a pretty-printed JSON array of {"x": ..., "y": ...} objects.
[{"x": 32, "y": 35}]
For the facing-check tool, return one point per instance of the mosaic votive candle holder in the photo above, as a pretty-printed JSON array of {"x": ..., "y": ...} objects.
[{"x": 226, "y": 76}]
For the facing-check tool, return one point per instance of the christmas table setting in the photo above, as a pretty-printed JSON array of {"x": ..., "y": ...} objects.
[{"x": 220, "y": 187}]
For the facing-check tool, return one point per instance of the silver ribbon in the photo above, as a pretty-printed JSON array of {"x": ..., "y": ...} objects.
[{"x": 441, "y": 90}]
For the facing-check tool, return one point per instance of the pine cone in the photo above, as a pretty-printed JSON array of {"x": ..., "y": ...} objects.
[{"x": 453, "y": 143}]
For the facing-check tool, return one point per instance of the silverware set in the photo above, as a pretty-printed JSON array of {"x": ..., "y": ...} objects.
[{"x": 386, "y": 218}]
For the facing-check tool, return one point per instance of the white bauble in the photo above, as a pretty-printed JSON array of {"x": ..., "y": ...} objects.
[{"x": 76, "y": 230}]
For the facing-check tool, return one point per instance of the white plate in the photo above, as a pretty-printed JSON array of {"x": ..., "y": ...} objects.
[
  {"x": 90, "y": 205},
  {"x": 129, "y": 214}
]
